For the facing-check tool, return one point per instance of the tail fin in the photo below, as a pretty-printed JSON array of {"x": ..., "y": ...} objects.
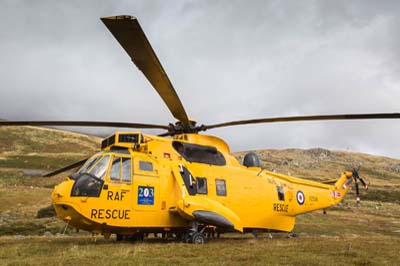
[{"x": 341, "y": 186}]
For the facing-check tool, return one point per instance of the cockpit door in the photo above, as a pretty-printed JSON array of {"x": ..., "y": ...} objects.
[
  {"x": 113, "y": 204},
  {"x": 118, "y": 190}
]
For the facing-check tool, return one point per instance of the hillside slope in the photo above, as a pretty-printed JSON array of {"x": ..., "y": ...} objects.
[
  {"x": 25, "y": 152},
  {"x": 42, "y": 148}
]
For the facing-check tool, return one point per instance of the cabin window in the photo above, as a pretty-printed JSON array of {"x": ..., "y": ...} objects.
[
  {"x": 199, "y": 153},
  {"x": 146, "y": 166},
  {"x": 281, "y": 193},
  {"x": 126, "y": 169},
  {"x": 201, "y": 185},
  {"x": 221, "y": 187}
]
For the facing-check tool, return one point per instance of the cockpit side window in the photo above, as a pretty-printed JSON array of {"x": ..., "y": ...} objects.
[
  {"x": 199, "y": 153},
  {"x": 115, "y": 171},
  {"x": 126, "y": 169},
  {"x": 120, "y": 169}
]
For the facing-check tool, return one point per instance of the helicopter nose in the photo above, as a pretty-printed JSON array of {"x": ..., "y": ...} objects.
[
  {"x": 60, "y": 191},
  {"x": 57, "y": 192}
]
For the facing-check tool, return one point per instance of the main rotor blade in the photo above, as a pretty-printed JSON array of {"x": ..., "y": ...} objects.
[
  {"x": 66, "y": 168},
  {"x": 307, "y": 118},
  {"x": 80, "y": 124},
  {"x": 129, "y": 34}
]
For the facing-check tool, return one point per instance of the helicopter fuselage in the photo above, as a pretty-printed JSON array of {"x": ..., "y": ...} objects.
[{"x": 154, "y": 184}]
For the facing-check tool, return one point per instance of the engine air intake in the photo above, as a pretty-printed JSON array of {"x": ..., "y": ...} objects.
[{"x": 122, "y": 140}]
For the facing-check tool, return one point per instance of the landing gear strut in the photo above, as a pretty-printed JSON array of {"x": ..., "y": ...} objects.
[{"x": 195, "y": 235}]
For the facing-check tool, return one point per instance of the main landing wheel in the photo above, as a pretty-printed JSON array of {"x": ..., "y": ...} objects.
[{"x": 198, "y": 238}]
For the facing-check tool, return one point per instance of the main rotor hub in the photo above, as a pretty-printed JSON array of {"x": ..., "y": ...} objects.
[{"x": 179, "y": 128}]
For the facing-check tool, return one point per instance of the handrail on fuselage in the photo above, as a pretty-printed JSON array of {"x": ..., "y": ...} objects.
[{"x": 299, "y": 181}]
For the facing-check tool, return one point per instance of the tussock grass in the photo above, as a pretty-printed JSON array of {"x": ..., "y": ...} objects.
[{"x": 225, "y": 251}]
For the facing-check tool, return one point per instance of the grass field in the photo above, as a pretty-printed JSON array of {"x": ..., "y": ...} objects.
[
  {"x": 304, "y": 251},
  {"x": 346, "y": 235}
]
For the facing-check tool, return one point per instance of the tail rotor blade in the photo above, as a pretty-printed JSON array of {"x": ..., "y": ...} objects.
[
  {"x": 357, "y": 190},
  {"x": 355, "y": 175},
  {"x": 357, "y": 193},
  {"x": 363, "y": 183}
]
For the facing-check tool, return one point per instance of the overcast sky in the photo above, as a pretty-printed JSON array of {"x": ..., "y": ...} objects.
[{"x": 228, "y": 60}]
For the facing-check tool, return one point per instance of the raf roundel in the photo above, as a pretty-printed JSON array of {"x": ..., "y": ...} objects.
[{"x": 300, "y": 197}]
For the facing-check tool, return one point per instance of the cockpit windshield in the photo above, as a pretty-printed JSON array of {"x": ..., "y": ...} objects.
[
  {"x": 96, "y": 166},
  {"x": 90, "y": 178},
  {"x": 89, "y": 163}
]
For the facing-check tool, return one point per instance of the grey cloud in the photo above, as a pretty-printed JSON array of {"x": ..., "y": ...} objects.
[{"x": 227, "y": 60}]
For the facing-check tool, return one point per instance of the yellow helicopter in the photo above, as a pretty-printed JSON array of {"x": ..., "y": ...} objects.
[{"x": 182, "y": 183}]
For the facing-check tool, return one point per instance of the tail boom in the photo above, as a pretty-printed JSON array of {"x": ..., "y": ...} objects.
[
  {"x": 321, "y": 198},
  {"x": 310, "y": 196}
]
